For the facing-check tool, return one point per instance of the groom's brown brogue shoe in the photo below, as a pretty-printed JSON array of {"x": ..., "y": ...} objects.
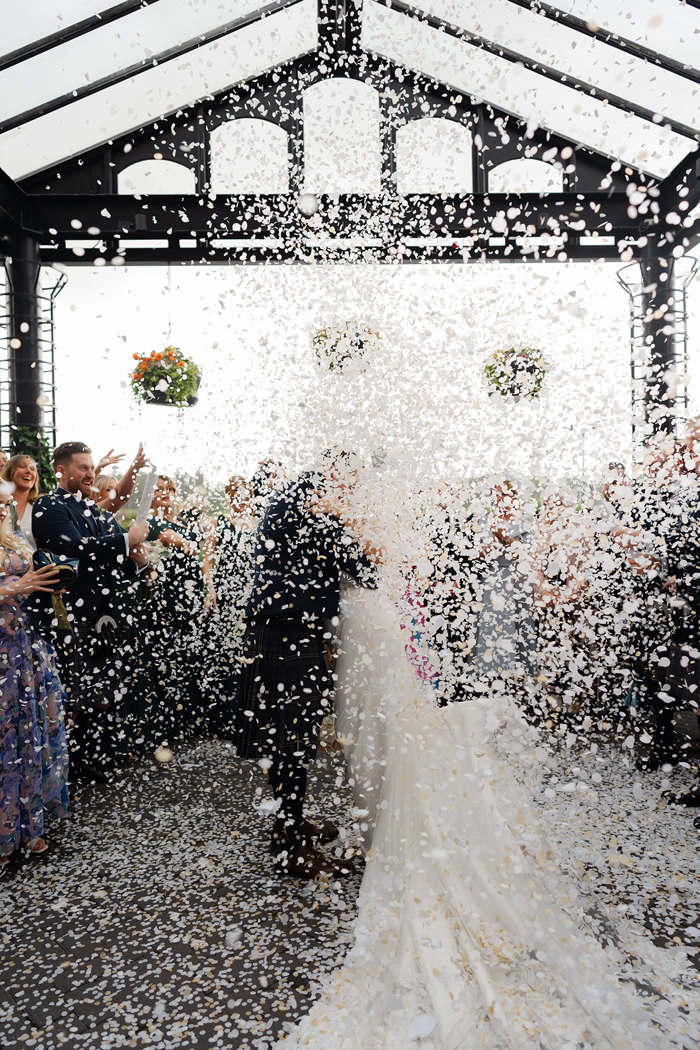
[
  {"x": 305, "y": 832},
  {"x": 304, "y": 862},
  {"x": 323, "y": 834}
]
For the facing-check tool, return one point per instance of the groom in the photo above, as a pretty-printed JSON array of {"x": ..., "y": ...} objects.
[{"x": 287, "y": 681}]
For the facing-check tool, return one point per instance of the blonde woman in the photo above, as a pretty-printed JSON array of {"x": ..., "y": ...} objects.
[
  {"x": 33, "y": 750},
  {"x": 21, "y": 473}
]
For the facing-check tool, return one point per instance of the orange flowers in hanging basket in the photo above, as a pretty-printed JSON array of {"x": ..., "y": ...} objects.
[{"x": 165, "y": 377}]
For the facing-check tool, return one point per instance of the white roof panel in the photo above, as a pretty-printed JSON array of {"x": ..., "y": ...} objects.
[
  {"x": 526, "y": 94},
  {"x": 576, "y": 55},
  {"x": 668, "y": 27},
  {"x": 160, "y": 90},
  {"x": 25, "y": 23},
  {"x": 109, "y": 49}
]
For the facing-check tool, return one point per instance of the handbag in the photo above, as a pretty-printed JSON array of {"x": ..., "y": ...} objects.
[{"x": 67, "y": 568}]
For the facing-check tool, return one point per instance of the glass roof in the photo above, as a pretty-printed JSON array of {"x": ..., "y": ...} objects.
[
  {"x": 667, "y": 27},
  {"x": 24, "y": 25},
  {"x": 145, "y": 96},
  {"x": 583, "y": 59},
  {"x": 529, "y": 95},
  {"x": 108, "y": 49},
  {"x": 138, "y": 44}
]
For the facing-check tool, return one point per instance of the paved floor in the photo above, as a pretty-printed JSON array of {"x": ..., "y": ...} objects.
[{"x": 157, "y": 921}]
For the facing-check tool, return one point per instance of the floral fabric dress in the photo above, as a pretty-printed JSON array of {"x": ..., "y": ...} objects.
[{"x": 33, "y": 749}]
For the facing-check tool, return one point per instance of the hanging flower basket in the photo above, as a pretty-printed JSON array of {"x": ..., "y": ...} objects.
[
  {"x": 335, "y": 345},
  {"x": 516, "y": 372},
  {"x": 165, "y": 377}
]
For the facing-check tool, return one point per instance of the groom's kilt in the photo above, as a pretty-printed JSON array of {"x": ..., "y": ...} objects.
[{"x": 286, "y": 688}]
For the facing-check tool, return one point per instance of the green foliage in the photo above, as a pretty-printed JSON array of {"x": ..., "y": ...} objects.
[
  {"x": 516, "y": 372},
  {"x": 27, "y": 441},
  {"x": 165, "y": 375},
  {"x": 334, "y": 345}
]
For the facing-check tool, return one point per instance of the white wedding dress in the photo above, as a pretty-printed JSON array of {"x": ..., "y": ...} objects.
[{"x": 469, "y": 936}]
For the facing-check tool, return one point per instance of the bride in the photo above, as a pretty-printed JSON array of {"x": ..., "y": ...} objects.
[{"x": 469, "y": 935}]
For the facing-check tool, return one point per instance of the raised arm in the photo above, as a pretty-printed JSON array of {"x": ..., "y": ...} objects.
[{"x": 124, "y": 488}]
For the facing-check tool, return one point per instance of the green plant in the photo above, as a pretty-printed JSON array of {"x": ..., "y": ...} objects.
[
  {"x": 336, "y": 344},
  {"x": 165, "y": 375},
  {"x": 28, "y": 441},
  {"x": 516, "y": 372}
]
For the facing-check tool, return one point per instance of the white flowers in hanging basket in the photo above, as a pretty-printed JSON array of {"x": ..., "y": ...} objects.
[
  {"x": 515, "y": 373},
  {"x": 337, "y": 344}
]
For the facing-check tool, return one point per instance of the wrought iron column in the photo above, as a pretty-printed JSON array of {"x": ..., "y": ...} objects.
[
  {"x": 24, "y": 356},
  {"x": 658, "y": 333}
]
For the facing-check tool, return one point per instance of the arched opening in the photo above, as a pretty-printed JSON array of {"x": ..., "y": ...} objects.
[
  {"x": 434, "y": 155},
  {"x": 156, "y": 176},
  {"x": 525, "y": 175},
  {"x": 341, "y": 138},
  {"x": 249, "y": 156}
]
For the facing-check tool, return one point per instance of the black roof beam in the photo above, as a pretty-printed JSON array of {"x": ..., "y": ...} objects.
[
  {"x": 368, "y": 216},
  {"x": 12, "y": 200},
  {"x": 208, "y": 255},
  {"x": 87, "y": 25},
  {"x": 606, "y": 36},
  {"x": 548, "y": 72},
  {"x": 271, "y": 8},
  {"x": 682, "y": 184}
]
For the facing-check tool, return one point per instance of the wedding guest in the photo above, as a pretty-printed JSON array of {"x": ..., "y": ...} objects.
[
  {"x": 178, "y": 599},
  {"x": 68, "y": 523},
  {"x": 266, "y": 480},
  {"x": 648, "y": 544},
  {"x": 105, "y": 489},
  {"x": 618, "y": 502},
  {"x": 131, "y": 598},
  {"x": 33, "y": 750},
  {"x": 21, "y": 472},
  {"x": 560, "y": 554},
  {"x": 505, "y": 631},
  {"x": 228, "y": 571},
  {"x": 610, "y": 604},
  {"x": 449, "y": 594},
  {"x": 3, "y": 458},
  {"x": 116, "y": 495}
]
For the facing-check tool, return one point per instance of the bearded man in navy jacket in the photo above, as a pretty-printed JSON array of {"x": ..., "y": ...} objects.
[
  {"x": 286, "y": 684},
  {"x": 69, "y": 524}
]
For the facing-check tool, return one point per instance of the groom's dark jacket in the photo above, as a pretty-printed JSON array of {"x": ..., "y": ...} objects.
[
  {"x": 299, "y": 556},
  {"x": 74, "y": 528}
]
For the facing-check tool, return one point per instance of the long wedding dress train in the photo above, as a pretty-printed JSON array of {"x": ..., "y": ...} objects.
[{"x": 468, "y": 937}]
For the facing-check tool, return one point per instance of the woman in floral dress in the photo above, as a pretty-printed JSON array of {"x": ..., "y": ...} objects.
[{"x": 33, "y": 749}]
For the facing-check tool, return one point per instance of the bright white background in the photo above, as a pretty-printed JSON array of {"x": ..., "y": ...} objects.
[{"x": 250, "y": 329}]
